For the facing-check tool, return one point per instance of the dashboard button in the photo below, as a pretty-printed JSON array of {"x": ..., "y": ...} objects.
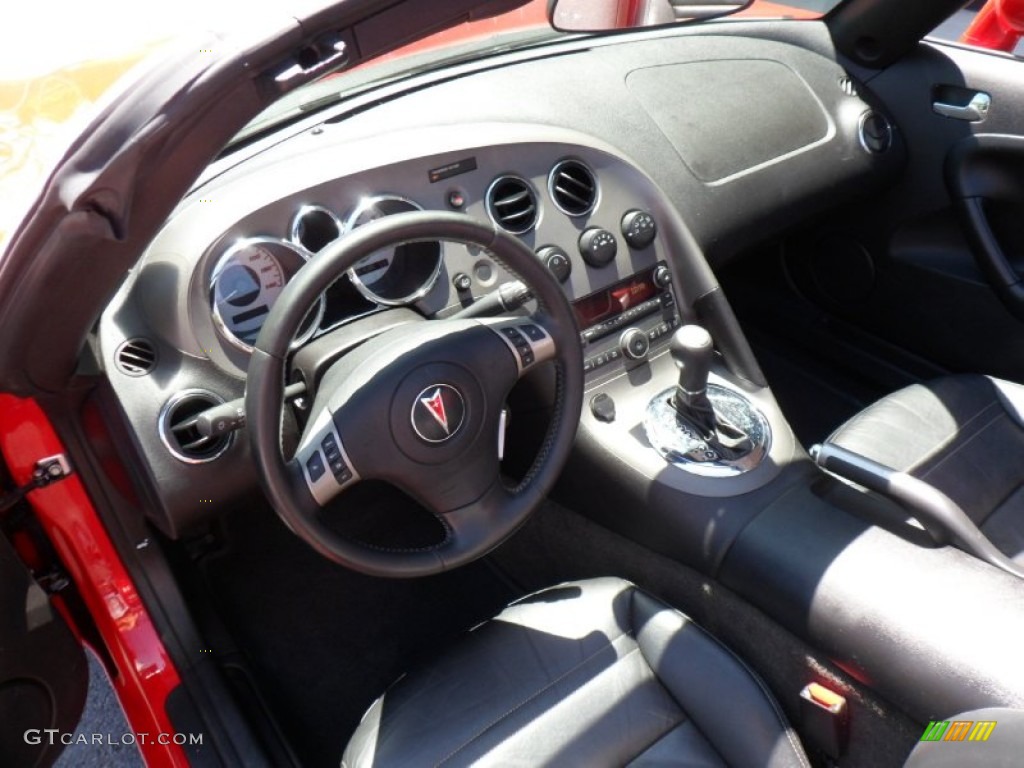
[
  {"x": 603, "y": 407},
  {"x": 634, "y": 344},
  {"x": 662, "y": 277},
  {"x": 639, "y": 229},
  {"x": 557, "y": 261},
  {"x": 597, "y": 246}
]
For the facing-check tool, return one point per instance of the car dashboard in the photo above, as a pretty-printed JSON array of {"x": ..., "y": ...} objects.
[{"x": 629, "y": 166}]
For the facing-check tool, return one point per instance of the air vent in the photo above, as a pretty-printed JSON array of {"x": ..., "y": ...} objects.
[
  {"x": 135, "y": 357},
  {"x": 178, "y": 427},
  {"x": 512, "y": 205},
  {"x": 573, "y": 187}
]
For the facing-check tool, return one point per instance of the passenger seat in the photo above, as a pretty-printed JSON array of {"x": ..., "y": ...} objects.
[{"x": 962, "y": 435}]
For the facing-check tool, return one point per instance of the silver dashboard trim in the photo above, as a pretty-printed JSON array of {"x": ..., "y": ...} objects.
[
  {"x": 164, "y": 429},
  {"x": 218, "y": 321},
  {"x": 551, "y": 187},
  {"x": 361, "y": 207}
]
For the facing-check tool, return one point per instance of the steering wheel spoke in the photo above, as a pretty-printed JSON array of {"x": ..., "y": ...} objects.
[{"x": 478, "y": 527}]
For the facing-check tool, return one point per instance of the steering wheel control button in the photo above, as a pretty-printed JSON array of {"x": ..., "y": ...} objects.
[
  {"x": 634, "y": 344},
  {"x": 315, "y": 467},
  {"x": 438, "y": 412},
  {"x": 557, "y": 261},
  {"x": 603, "y": 407},
  {"x": 533, "y": 332},
  {"x": 523, "y": 348},
  {"x": 597, "y": 246},
  {"x": 337, "y": 464},
  {"x": 639, "y": 229}
]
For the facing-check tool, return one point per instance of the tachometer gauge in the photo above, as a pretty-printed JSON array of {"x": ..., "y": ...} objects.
[
  {"x": 399, "y": 274},
  {"x": 246, "y": 282}
]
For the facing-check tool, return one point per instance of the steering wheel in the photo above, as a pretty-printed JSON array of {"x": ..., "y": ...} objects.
[{"x": 418, "y": 406}]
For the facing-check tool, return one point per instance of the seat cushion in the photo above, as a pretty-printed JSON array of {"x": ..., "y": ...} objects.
[
  {"x": 962, "y": 434},
  {"x": 586, "y": 673}
]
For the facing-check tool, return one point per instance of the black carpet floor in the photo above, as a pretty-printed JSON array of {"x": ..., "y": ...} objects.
[{"x": 322, "y": 642}]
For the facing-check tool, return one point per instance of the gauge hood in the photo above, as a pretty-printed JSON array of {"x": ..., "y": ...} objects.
[{"x": 125, "y": 173}]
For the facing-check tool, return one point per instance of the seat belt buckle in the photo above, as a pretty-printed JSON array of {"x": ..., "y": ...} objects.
[{"x": 825, "y": 718}]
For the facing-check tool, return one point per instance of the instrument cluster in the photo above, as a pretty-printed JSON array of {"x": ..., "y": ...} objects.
[{"x": 251, "y": 272}]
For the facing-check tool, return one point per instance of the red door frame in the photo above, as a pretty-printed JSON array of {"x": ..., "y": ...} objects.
[
  {"x": 999, "y": 25},
  {"x": 145, "y": 673}
]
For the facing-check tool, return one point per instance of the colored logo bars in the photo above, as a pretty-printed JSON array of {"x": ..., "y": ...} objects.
[{"x": 959, "y": 730}]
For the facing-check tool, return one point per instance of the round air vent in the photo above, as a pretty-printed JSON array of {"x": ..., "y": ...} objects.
[
  {"x": 512, "y": 204},
  {"x": 875, "y": 132},
  {"x": 573, "y": 187},
  {"x": 178, "y": 427},
  {"x": 135, "y": 357}
]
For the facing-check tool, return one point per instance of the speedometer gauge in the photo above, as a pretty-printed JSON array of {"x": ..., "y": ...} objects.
[
  {"x": 246, "y": 282},
  {"x": 399, "y": 274}
]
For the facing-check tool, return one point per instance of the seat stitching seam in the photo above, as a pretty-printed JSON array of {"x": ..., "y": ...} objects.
[
  {"x": 949, "y": 438},
  {"x": 542, "y": 690},
  {"x": 786, "y": 727},
  {"x": 963, "y": 444}
]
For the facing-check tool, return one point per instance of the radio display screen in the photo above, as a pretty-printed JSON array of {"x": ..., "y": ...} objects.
[{"x": 615, "y": 299}]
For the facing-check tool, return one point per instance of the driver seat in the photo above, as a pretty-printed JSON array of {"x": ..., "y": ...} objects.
[{"x": 588, "y": 673}]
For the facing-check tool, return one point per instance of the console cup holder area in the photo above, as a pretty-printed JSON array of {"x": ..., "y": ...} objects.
[{"x": 682, "y": 444}]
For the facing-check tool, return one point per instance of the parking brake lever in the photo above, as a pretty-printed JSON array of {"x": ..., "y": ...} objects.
[{"x": 939, "y": 514}]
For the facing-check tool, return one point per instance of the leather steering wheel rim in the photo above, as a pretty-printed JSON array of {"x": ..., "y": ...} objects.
[{"x": 500, "y": 511}]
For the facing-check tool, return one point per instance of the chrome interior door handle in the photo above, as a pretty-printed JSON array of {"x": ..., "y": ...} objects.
[{"x": 975, "y": 111}]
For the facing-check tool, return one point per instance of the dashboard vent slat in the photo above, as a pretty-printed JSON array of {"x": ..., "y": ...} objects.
[
  {"x": 512, "y": 205},
  {"x": 135, "y": 357},
  {"x": 573, "y": 187},
  {"x": 178, "y": 427}
]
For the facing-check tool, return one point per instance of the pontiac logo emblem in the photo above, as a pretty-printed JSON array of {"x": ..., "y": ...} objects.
[{"x": 438, "y": 412}]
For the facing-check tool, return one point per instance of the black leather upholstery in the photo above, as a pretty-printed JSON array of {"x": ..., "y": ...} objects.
[
  {"x": 962, "y": 434},
  {"x": 587, "y": 673},
  {"x": 1003, "y": 748}
]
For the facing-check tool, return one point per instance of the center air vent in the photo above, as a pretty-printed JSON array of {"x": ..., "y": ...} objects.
[
  {"x": 178, "y": 427},
  {"x": 135, "y": 357},
  {"x": 573, "y": 187},
  {"x": 512, "y": 204}
]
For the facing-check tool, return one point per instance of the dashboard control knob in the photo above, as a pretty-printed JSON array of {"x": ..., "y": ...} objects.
[
  {"x": 662, "y": 277},
  {"x": 639, "y": 229},
  {"x": 556, "y": 260},
  {"x": 634, "y": 344},
  {"x": 462, "y": 282},
  {"x": 597, "y": 246}
]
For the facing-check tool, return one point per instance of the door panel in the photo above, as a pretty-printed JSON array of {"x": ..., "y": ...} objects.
[{"x": 921, "y": 256}]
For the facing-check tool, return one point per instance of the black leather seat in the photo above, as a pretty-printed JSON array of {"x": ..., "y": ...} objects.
[
  {"x": 964, "y": 435},
  {"x": 587, "y": 673}
]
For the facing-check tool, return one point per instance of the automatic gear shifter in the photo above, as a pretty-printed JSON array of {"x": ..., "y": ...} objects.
[
  {"x": 693, "y": 351},
  {"x": 704, "y": 428}
]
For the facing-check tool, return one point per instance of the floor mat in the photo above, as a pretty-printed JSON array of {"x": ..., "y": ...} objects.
[{"x": 322, "y": 642}]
